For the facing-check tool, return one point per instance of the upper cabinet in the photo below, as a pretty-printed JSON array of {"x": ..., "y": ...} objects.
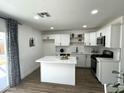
[
  {"x": 87, "y": 39},
  {"x": 93, "y": 38},
  {"x": 112, "y": 35},
  {"x": 48, "y": 37},
  {"x": 90, "y": 39},
  {"x": 62, "y": 39}
]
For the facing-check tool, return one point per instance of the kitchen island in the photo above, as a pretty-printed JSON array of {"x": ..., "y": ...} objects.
[{"x": 53, "y": 69}]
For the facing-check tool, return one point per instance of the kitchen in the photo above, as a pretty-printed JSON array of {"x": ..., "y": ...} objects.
[
  {"x": 60, "y": 46},
  {"x": 100, "y": 45}
]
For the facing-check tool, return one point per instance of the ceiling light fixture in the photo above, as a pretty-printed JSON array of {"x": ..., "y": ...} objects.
[
  {"x": 51, "y": 27},
  {"x": 44, "y": 14},
  {"x": 36, "y": 17},
  {"x": 84, "y": 26},
  {"x": 95, "y": 11}
]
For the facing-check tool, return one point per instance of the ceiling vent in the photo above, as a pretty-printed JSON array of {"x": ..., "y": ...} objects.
[{"x": 44, "y": 14}]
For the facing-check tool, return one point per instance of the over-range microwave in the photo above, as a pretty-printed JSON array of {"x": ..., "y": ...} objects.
[{"x": 101, "y": 41}]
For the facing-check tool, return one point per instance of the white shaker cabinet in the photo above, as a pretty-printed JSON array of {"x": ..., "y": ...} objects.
[
  {"x": 57, "y": 40},
  {"x": 65, "y": 40},
  {"x": 81, "y": 61},
  {"x": 62, "y": 39},
  {"x": 108, "y": 36},
  {"x": 113, "y": 36},
  {"x": 48, "y": 37},
  {"x": 104, "y": 71},
  {"x": 88, "y": 60},
  {"x": 93, "y": 38},
  {"x": 87, "y": 39},
  {"x": 90, "y": 39}
]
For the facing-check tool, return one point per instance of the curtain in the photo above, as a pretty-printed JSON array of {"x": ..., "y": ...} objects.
[{"x": 13, "y": 52}]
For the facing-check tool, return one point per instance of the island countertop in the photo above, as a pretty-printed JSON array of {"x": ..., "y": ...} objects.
[{"x": 57, "y": 59}]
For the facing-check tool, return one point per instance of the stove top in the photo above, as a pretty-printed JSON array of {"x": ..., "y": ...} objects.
[{"x": 106, "y": 54}]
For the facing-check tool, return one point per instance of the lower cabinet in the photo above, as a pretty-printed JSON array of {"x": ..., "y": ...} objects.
[
  {"x": 88, "y": 60},
  {"x": 104, "y": 72},
  {"x": 83, "y": 60},
  {"x": 80, "y": 61}
]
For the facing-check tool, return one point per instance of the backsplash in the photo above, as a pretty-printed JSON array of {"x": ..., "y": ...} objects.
[
  {"x": 116, "y": 52},
  {"x": 76, "y": 49},
  {"x": 88, "y": 49}
]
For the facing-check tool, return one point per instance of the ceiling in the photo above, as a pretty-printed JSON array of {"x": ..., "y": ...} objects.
[{"x": 65, "y": 14}]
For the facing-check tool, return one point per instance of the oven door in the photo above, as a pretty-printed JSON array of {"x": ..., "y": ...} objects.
[{"x": 93, "y": 65}]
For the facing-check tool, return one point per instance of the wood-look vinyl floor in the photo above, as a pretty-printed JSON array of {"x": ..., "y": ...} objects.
[{"x": 85, "y": 83}]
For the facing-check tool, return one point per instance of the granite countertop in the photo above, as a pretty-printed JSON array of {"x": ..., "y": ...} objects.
[{"x": 57, "y": 59}]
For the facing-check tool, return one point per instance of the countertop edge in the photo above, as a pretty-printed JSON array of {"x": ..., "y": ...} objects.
[{"x": 107, "y": 60}]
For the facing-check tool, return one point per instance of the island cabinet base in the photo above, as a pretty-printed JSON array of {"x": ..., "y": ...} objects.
[{"x": 58, "y": 73}]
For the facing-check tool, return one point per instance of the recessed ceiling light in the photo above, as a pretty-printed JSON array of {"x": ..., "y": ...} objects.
[
  {"x": 51, "y": 27},
  {"x": 84, "y": 26},
  {"x": 36, "y": 17},
  {"x": 95, "y": 11}
]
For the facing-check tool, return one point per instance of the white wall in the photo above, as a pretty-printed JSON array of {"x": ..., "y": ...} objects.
[
  {"x": 2, "y": 25},
  {"x": 122, "y": 45},
  {"x": 28, "y": 55},
  {"x": 49, "y": 48}
]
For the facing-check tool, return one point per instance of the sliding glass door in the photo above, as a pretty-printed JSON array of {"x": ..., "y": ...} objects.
[{"x": 3, "y": 63}]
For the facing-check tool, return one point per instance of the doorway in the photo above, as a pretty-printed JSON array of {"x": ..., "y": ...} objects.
[{"x": 3, "y": 63}]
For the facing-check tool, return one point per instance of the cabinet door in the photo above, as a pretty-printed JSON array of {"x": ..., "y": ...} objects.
[
  {"x": 88, "y": 60},
  {"x": 108, "y": 37},
  {"x": 57, "y": 40},
  {"x": 87, "y": 39},
  {"x": 81, "y": 61},
  {"x": 65, "y": 40},
  {"x": 48, "y": 37},
  {"x": 45, "y": 37},
  {"x": 107, "y": 76},
  {"x": 115, "y": 36},
  {"x": 93, "y": 39},
  {"x": 52, "y": 36},
  {"x": 98, "y": 34},
  {"x": 98, "y": 71}
]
